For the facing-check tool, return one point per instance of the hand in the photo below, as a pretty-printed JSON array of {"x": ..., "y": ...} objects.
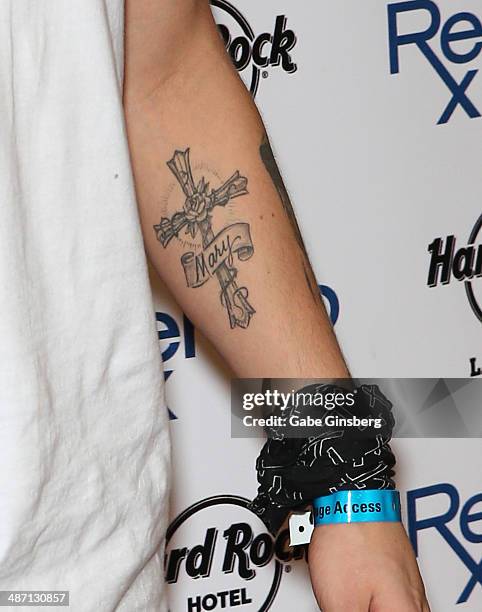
[{"x": 365, "y": 567}]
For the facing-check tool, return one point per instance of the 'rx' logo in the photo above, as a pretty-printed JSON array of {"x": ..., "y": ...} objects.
[
  {"x": 460, "y": 41},
  {"x": 469, "y": 516}
]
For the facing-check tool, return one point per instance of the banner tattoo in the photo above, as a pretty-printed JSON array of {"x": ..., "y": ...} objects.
[{"x": 220, "y": 251}]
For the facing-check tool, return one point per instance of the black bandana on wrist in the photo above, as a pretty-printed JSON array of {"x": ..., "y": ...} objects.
[{"x": 292, "y": 471}]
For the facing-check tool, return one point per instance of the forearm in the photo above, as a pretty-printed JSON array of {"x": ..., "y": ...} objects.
[{"x": 261, "y": 306}]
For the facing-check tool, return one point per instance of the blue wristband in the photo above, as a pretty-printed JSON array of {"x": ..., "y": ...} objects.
[{"x": 359, "y": 506}]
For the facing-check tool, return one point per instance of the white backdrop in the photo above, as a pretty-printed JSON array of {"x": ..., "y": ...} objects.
[{"x": 375, "y": 180}]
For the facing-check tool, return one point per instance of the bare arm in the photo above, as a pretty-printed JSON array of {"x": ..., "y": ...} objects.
[
  {"x": 233, "y": 257},
  {"x": 248, "y": 282}
]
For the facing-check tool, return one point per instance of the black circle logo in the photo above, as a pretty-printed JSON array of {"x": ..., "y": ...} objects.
[
  {"x": 239, "y": 46},
  {"x": 244, "y": 565},
  {"x": 469, "y": 288}
]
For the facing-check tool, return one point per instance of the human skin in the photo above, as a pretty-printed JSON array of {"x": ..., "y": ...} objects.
[{"x": 181, "y": 92}]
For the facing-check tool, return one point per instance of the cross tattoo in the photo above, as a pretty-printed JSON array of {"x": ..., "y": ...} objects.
[{"x": 196, "y": 217}]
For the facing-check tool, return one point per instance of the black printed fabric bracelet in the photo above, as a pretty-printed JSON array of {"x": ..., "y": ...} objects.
[{"x": 292, "y": 471}]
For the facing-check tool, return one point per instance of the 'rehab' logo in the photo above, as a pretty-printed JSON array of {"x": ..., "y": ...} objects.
[
  {"x": 445, "y": 45},
  {"x": 460, "y": 540},
  {"x": 252, "y": 54},
  {"x": 219, "y": 556}
]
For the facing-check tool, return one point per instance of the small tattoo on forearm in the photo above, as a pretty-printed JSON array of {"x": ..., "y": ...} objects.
[
  {"x": 271, "y": 166},
  {"x": 218, "y": 251}
]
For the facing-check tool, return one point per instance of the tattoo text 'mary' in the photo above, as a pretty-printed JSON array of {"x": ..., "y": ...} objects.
[{"x": 219, "y": 251}]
